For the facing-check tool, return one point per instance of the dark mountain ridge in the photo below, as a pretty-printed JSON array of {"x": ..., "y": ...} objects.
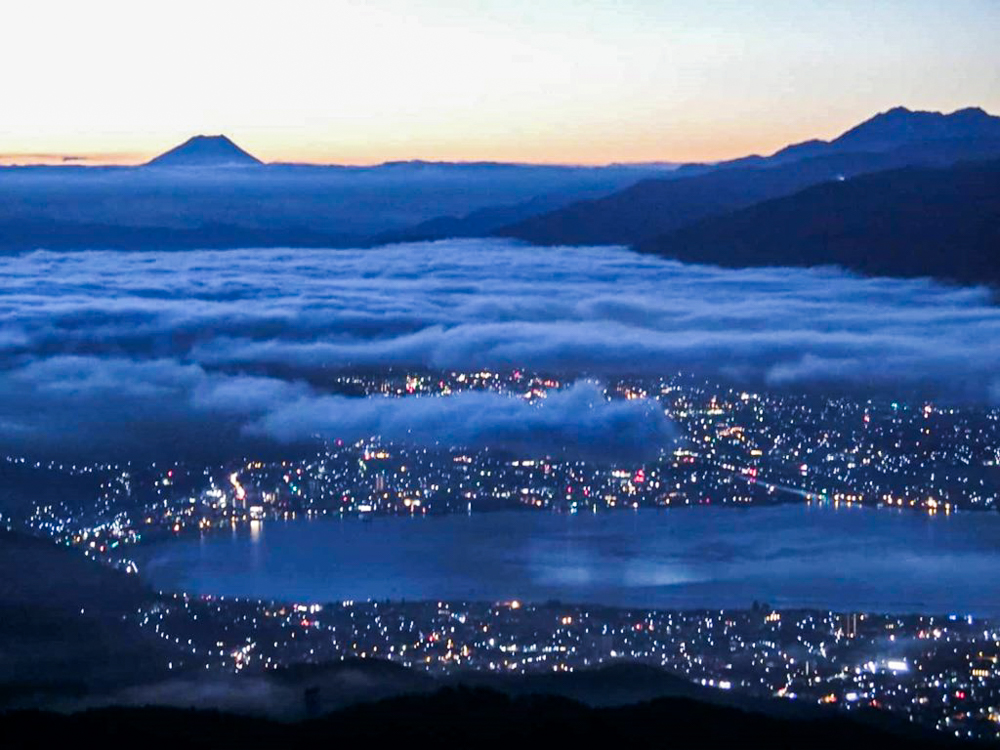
[
  {"x": 900, "y": 125},
  {"x": 885, "y": 131},
  {"x": 940, "y": 222},
  {"x": 653, "y": 207}
]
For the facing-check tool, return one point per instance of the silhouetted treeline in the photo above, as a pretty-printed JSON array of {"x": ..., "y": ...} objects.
[{"x": 467, "y": 718}]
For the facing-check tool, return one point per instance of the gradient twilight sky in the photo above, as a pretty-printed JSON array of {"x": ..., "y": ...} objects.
[{"x": 520, "y": 80}]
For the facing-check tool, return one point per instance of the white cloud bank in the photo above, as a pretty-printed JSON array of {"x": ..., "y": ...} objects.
[{"x": 206, "y": 346}]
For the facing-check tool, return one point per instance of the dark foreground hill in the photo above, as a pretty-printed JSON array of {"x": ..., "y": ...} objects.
[
  {"x": 66, "y": 623},
  {"x": 908, "y": 222},
  {"x": 465, "y": 718}
]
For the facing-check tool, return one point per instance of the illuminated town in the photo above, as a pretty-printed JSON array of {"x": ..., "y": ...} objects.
[
  {"x": 939, "y": 671},
  {"x": 734, "y": 448}
]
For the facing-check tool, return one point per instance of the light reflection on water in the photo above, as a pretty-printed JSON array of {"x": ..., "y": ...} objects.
[{"x": 699, "y": 557}]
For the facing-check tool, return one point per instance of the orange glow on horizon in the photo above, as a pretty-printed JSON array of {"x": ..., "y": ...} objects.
[
  {"x": 342, "y": 82},
  {"x": 75, "y": 159},
  {"x": 636, "y": 150}
]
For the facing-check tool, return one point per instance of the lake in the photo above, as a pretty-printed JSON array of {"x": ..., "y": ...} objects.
[{"x": 790, "y": 555}]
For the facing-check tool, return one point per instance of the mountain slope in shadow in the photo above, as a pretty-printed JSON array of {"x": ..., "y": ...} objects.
[
  {"x": 654, "y": 207},
  {"x": 909, "y": 222}
]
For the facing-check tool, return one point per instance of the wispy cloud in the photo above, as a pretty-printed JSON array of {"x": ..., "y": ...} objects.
[
  {"x": 53, "y": 158},
  {"x": 578, "y": 422}
]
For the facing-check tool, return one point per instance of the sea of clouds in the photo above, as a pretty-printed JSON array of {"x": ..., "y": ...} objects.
[{"x": 105, "y": 353}]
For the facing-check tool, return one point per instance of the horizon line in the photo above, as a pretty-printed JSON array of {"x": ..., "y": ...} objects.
[
  {"x": 86, "y": 161},
  {"x": 133, "y": 159}
]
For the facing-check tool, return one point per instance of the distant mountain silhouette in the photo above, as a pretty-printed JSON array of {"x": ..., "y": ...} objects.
[
  {"x": 898, "y": 126},
  {"x": 205, "y": 151},
  {"x": 942, "y": 222},
  {"x": 885, "y": 131},
  {"x": 896, "y": 138}
]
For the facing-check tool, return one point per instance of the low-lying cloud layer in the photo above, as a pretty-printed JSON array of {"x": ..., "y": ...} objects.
[
  {"x": 578, "y": 422},
  {"x": 102, "y": 351}
]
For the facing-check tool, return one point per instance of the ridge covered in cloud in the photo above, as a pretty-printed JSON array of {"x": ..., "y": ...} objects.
[{"x": 106, "y": 350}]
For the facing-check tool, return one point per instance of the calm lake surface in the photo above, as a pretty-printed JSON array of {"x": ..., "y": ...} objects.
[{"x": 792, "y": 555}]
